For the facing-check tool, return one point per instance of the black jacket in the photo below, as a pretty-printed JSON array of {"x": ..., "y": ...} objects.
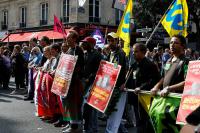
[
  {"x": 92, "y": 61},
  {"x": 145, "y": 75}
]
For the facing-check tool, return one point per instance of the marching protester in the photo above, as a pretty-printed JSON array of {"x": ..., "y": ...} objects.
[
  {"x": 174, "y": 70},
  {"x": 157, "y": 58},
  {"x": 165, "y": 57},
  {"x": 141, "y": 79},
  {"x": 26, "y": 55},
  {"x": 43, "y": 43},
  {"x": 73, "y": 101},
  {"x": 47, "y": 101},
  {"x": 173, "y": 79},
  {"x": 34, "y": 61},
  {"x": 116, "y": 56},
  {"x": 2, "y": 66},
  {"x": 64, "y": 47},
  {"x": 18, "y": 64},
  {"x": 92, "y": 60},
  {"x": 5, "y": 68}
]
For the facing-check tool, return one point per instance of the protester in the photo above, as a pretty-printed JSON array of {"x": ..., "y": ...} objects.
[
  {"x": 175, "y": 69},
  {"x": 18, "y": 63},
  {"x": 7, "y": 70},
  {"x": 36, "y": 57},
  {"x": 118, "y": 57},
  {"x": 165, "y": 57},
  {"x": 47, "y": 100},
  {"x": 26, "y": 55},
  {"x": 157, "y": 58},
  {"x": 32, "y": 43},
  {"x": 72, "y": 102},
  {"x": 105, "y": 52},
  {"x": 43, "y": 43},
  {"x": 92, "y": 60},
  {"x": 173, "y": 79},
  {"x": 64, "y": 47},
  {"x": 2, "y": 66},
  {"x": 143, "y": 76}
]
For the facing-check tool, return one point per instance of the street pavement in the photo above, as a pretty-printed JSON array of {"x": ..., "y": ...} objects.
[{"x": 18, "y": 116}]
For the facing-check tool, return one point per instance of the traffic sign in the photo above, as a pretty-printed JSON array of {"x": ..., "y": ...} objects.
[
  {"x": 144, "y": 30},
  {"x": 141, "y": 39}
]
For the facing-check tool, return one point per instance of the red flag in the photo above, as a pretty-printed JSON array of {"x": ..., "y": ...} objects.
[{"x": 58, "y": 27}]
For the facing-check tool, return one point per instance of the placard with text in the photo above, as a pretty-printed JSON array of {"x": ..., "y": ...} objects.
[
  {"x": 64, "y": 74},
  {"x": 103, "y": 85},
  {"x": 191, "y": 95}
]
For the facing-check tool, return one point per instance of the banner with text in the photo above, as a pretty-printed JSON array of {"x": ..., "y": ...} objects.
[
  {"x": 103, "y": 85},
  {"x": 191, "y": 94},
  {"x": 64, "y": 74}
]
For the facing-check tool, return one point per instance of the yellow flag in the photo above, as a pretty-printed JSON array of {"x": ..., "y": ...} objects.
[
  {"x": 145, "y": 100},
  {"x": 175, "y": 21},
  {"x": 123, "y": 30}
]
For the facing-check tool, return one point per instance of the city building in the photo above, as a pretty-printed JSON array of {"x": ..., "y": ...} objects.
[{"x": 36, "y": 15}]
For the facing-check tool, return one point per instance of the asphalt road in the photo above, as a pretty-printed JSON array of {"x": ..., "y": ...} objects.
[{"x": 18, "y": 116}]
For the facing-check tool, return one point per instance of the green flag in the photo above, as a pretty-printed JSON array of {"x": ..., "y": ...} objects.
[{"x": 163, "y": 112}]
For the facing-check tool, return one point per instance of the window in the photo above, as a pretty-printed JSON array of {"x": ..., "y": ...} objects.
[
  {"x": 94, "y": 11},
  {"x": 4, "y": 23},
  {"x": 65, "y": 11},
  {"x": 44, "y": 14},
  {"x": 118, "y": 16},
  {"x": 22, "y": 17}
]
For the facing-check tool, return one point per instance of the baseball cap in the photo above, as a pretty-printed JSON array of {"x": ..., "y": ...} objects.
[
  {"x": 89, "y": 40},
  {"x": 113, "y": 35}
]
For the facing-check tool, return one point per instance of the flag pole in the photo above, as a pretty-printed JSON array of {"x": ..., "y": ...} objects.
[
  {"x": 53, "y": 37},
  {"x": 106, "y": 32},
  {"x": 155, "y": 29}
]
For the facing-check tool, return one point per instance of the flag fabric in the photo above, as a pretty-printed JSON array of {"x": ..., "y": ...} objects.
[
  {"x": 145, "y": 100},
  {"x": 100, "y": 41},
  {"x": 58, "y": 27},
  {"x": 123, "y": 30},
  {"x": 163, "y": 112},
  {"x": 119, "y": 4},
  {"x": 175, "y": 21}
]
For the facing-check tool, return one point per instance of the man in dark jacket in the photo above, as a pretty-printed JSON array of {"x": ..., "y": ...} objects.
[
  {"x": 92, "y": 60},
  {"x": 143, "y": 76}
]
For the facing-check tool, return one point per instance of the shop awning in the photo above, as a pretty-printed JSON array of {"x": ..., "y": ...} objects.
[{"x": 26, "y": 36}]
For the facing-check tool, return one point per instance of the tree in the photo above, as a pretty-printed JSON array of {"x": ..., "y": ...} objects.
[
  {"x": 149, "y": 12},
  {"x": 194, "y": 11}
]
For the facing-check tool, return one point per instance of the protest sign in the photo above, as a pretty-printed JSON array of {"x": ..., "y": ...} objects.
[
  {"x": 191, "y": 94},
  {"x": 103, "y": 85},
  {"x": 64, "y": 74}
]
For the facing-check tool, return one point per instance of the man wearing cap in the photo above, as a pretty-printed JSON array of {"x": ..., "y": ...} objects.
[
  {"x": 118, "y": 57},
  {"x": 175, "y": 69},
  {"x": 92, "y": 60}
]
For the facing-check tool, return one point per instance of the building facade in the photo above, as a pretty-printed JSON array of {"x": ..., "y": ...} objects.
[{"x": 24, "y": 14}]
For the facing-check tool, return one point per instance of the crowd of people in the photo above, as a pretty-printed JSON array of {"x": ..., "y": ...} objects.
[{"x": 34, "y": 67}]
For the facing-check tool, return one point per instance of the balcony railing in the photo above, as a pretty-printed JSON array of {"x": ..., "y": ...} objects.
[
  {"x": 43, "y": 22},
  {"x": 65, "y": 19},
  {"x": 22, "y": 25},
  {"x": 4, "y": 26},
  {"x": 94, "y": 19}
]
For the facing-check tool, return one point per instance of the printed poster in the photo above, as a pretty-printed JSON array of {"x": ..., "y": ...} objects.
[
  {"x": 103, "y": 85},
  {"x": 191, "y": 94},
  {"x": 64, "y": 74},
  {"x": 100, "y": 41}
]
